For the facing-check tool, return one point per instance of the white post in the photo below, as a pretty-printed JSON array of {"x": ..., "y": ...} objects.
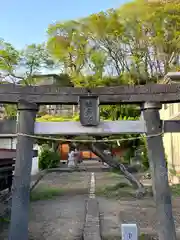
[{"x": 129, "y": 231}]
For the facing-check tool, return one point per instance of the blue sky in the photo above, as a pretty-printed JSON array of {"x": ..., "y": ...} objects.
[{"x": 26, "y": 21}]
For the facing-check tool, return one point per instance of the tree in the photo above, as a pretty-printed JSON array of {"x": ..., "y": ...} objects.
[
  {"x": 20, "y": 66},
  {"x": 154, "y": 34},
  {"x": 34, "y": 58},
  {"x": 9, "y": 60},
  {"x": 139, "y": 41},
  {"x": 68, "y": 45},
  {"x": 135, "y": 44}
]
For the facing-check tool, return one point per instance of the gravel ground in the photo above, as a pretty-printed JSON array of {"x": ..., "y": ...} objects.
[{"x": 61, "y": 217}]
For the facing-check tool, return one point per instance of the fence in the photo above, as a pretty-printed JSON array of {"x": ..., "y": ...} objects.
[
  {"x": 7, "y": 163},
  {"x": 7, "y": 166}
]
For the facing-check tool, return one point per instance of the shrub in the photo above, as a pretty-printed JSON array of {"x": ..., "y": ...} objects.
[
  {"x": 144, "y": 156},
  {"x": 49, "y": 118},
  {"x": 48, "y": 158},
  {"x": 127, "y": 156}
]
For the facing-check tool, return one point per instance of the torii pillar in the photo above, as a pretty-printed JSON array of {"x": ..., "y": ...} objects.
[{"x": 22, "y": 176}]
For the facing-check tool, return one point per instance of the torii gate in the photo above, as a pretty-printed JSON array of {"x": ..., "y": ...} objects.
[{"x": 149, "y": 97}]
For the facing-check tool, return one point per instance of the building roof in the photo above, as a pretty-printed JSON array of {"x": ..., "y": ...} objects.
[{"x": 56, "y": 76}]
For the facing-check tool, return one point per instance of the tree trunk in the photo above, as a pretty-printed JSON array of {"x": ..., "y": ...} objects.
[{"x": 97, "y": 149}]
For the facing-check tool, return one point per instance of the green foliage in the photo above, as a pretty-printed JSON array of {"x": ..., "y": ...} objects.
[
  {"x": 4, "y": 220},
  {"x": 10, "y": 111},
  {"x": 119, "y": 112},
  {"x": 142, "y": 146},
  {"x": 34, "y": 58},
  {"x": 50, "y": 118},
  {"x": 172, "y": 171},
  {"x": 116, "y": 191},
  {"x": 135, "y": 44},
  {"x": 128, "y": 155},
  {"x": 48, "y": 158},
  {"x": 64, "y": 80},
  {"x": 175, "y": 190},
  {"x": 20, "y": 66},
  {"x": 9, "y": 60},
  {"x": 144, "y": 156}
]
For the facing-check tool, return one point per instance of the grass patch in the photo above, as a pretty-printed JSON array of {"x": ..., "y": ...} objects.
[
  {"x": 175, "y": 190},
  {"x": 115, "y": 171},
  {"x": 114, "y": 176},
  {"x": 116, "y": 191},
  {"x": 45, "y": 193},
  {"x": 4, "y": 220},
  {"x": 117, "y": 186}
]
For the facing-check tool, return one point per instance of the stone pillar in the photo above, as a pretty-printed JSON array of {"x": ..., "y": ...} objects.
[
  {"x": 22, "y": 176},
  {"x": 156, "y": 154}
]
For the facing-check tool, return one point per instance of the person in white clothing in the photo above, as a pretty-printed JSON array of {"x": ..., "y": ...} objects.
[{"x": 71, "y": 158}]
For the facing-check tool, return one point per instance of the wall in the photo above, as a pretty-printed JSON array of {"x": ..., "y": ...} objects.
[
  {"x": 88, "y": 155},
  {"x": 10, "y": 143},
  {"x": 64, "y": 150},
  {"x": 171, "y": 140},
  {"x": 35, "y": 168}
]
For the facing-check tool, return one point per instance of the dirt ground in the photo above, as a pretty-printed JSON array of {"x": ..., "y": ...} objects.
[
  {"x": 61, "y": 214},
  {"x": 60, "y": 217},
  {"x": 126, "y": 209}
]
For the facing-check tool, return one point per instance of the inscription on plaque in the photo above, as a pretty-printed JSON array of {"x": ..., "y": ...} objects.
[
  {"x": 89, "y": 111},
  {"x": 129, "y": 231}
]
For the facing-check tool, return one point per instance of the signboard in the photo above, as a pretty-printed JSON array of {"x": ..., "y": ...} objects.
[
  {"x": 129, "y": 232},
  {"x": 89, "y": 110}
]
